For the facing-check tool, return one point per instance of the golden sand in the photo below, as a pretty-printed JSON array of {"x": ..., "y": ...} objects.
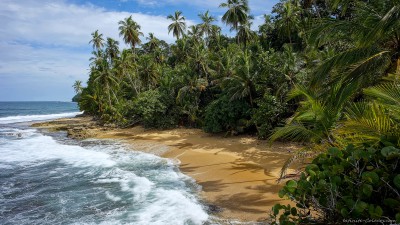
[{"x": 237, "y": 174}]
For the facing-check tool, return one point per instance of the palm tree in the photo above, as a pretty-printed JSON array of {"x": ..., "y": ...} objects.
[
  {"x": 375, "y": 46},
  {"x": 112, "y": 49},
  {"x": 130, "y": 31},
  {"x": 206, "y": 25},
  {"x": 77, "y": 86},
  {"x": 245, "y": 34},
  {"x": 125, "y": 67},
  {"x": 97, "y": 40},
  {"x": 214, "y": 39},
  {"x": 315, "y": 121},
  {"x": 104, "y": 77},
  {"x": 237, "y": 13},
  {"x": 153, "y": 43},
  {"x": 376, "y": 120},
  {"x": 97, "y": 57},
  {"x": 195, "y": 32},
  {"x": 178, "y": 25},
  {"x": 289, "y": 20},
  {"x": 242, "y": 82},
  {"x": 199, "y": 59},
  {"x": 181, "y": 49},
  {"x": 148, "y": 71}
]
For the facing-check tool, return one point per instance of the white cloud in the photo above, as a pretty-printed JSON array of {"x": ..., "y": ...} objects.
[
  {"x": 48, "y": 40},
  {"x": 59, "y": 23},
  {"x": 257, "y": 7}
]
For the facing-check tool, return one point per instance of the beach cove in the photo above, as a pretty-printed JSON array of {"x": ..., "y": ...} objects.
[{"x": 238, "y": 175}]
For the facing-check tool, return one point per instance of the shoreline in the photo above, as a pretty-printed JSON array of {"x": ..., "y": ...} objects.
[{"x": 238, "y": 175}]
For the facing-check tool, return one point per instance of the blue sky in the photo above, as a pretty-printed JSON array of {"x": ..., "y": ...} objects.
[{"x": 44, "y": 44}]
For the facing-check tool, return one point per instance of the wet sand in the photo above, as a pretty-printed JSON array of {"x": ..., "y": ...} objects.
[{"x": 238, "y": 175}]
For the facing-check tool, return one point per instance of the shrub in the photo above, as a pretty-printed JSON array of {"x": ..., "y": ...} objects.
[
  {"x": 156, "y": 110},
  {"x": 352, "y": 184},
  {"x": 268, "y": 115},
  {"x": 226, "y": 115}
]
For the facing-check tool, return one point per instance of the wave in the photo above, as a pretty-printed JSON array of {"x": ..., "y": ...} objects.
[
  {"x": 95, "y": 182},
  {"x": 29, "y": 118}
]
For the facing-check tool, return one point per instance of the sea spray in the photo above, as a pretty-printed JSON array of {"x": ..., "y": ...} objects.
[
  {"x": 45, "y": 181},
  {"x": 29, "y": 118}
]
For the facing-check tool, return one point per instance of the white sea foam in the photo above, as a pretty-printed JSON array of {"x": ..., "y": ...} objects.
[
  {"x": 29, "y": 118},
  {"x": 152, "y": 189},
  {"x": 172, "y": 207},
  {"x": 38, "y": 147}
]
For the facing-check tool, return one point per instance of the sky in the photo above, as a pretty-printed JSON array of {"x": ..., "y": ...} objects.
[{"x": 44, "y": 44}]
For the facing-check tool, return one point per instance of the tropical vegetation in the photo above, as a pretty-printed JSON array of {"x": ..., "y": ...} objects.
[{"x": 323, "y": 73}]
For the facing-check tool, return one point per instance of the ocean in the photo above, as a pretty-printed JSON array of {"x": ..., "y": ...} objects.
[{"x": 47, "y": 178}]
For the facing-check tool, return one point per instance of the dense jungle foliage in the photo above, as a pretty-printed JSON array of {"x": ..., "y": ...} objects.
[{"x": 321, "y": 72}]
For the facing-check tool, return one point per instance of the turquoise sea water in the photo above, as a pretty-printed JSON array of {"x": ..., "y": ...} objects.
[{"x": 47, "y": 178}]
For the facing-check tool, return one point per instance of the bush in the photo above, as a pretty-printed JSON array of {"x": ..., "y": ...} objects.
[
  {"x": 268, "y": 115},
  {"x": 352, "y": 184},
  {"x": 226, "y": 115},
  {"x": 156, "y": 110}
]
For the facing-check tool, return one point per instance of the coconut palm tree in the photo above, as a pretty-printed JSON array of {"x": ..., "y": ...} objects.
[
  {"x": 153, "y": 43},
  {"x": 375, "y": 120},
  {"x": 237, "y": 13},
  {"x": 178, "y": 25},
  {"x": 112, "y": 49},
  {"x": 241, "y": 84},
  {"x": 199, "y": 59},
  {"x": 97, "y": 57},
  {"x": 148, "y": 71},
  {"x": 245, "y": 34},
  {"x": 214, "y": 39},
  {"x": 104, "y": 77},
  {"x": 289, "y": 20},
  {"x": 97, "y": 40},
  {"x": 195, "y": 33},
  {"x": 206, "y": 25},
  {"x": 374, "y": 38},
  {"x": 125, "y": 70},
  {"x": 77, "y": 86},
  {"x": 315, "y": 121},
  {"x": 130, "y": 31}
]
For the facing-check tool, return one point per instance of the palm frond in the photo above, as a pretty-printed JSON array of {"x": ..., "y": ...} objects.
[
  {"x": 367, "y": 123},
  {"x": 356, "y": 61},
  {"x": 294, "y": 132},
  {"x": 300, "y": 155},
  {"x": 387, "y": 94},
  {"x": 388, "y": 23}
]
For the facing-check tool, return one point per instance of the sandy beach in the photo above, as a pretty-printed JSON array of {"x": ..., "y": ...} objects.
[{"x": 238, "y": 175}]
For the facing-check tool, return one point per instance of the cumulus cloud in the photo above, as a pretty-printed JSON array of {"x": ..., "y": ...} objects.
[
  {"x": 48, "y": 41},
  {"x": 60, "y": 23},
  {"x": 257, "y": 6}
]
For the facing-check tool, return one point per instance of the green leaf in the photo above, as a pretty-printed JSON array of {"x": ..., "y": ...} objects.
[
  {"x": 336, "y": 180},
  {"x": 367, "y": 189},
  {"x": 291, "y": 186},
  {"x": 378, "y": 211},
  {"x": 276, "y": 208},
  {"x": 361, "y": 206},
  {"x": 396, "y": 181},
  {"x": 389, "y": 151},
  {"x": 334, "y": 151},
  {"x": 397, "y": 217},
  {"x": 344, "y": 212},
  {"x": 393, "y": 203},
  {"x": 312, "y": 173},
  {"x": 371, "y": 177},
  {"x": 370, "y": 167},
  {"x": 293, "y": 211},
  {"x": 282, "y": 193}
]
